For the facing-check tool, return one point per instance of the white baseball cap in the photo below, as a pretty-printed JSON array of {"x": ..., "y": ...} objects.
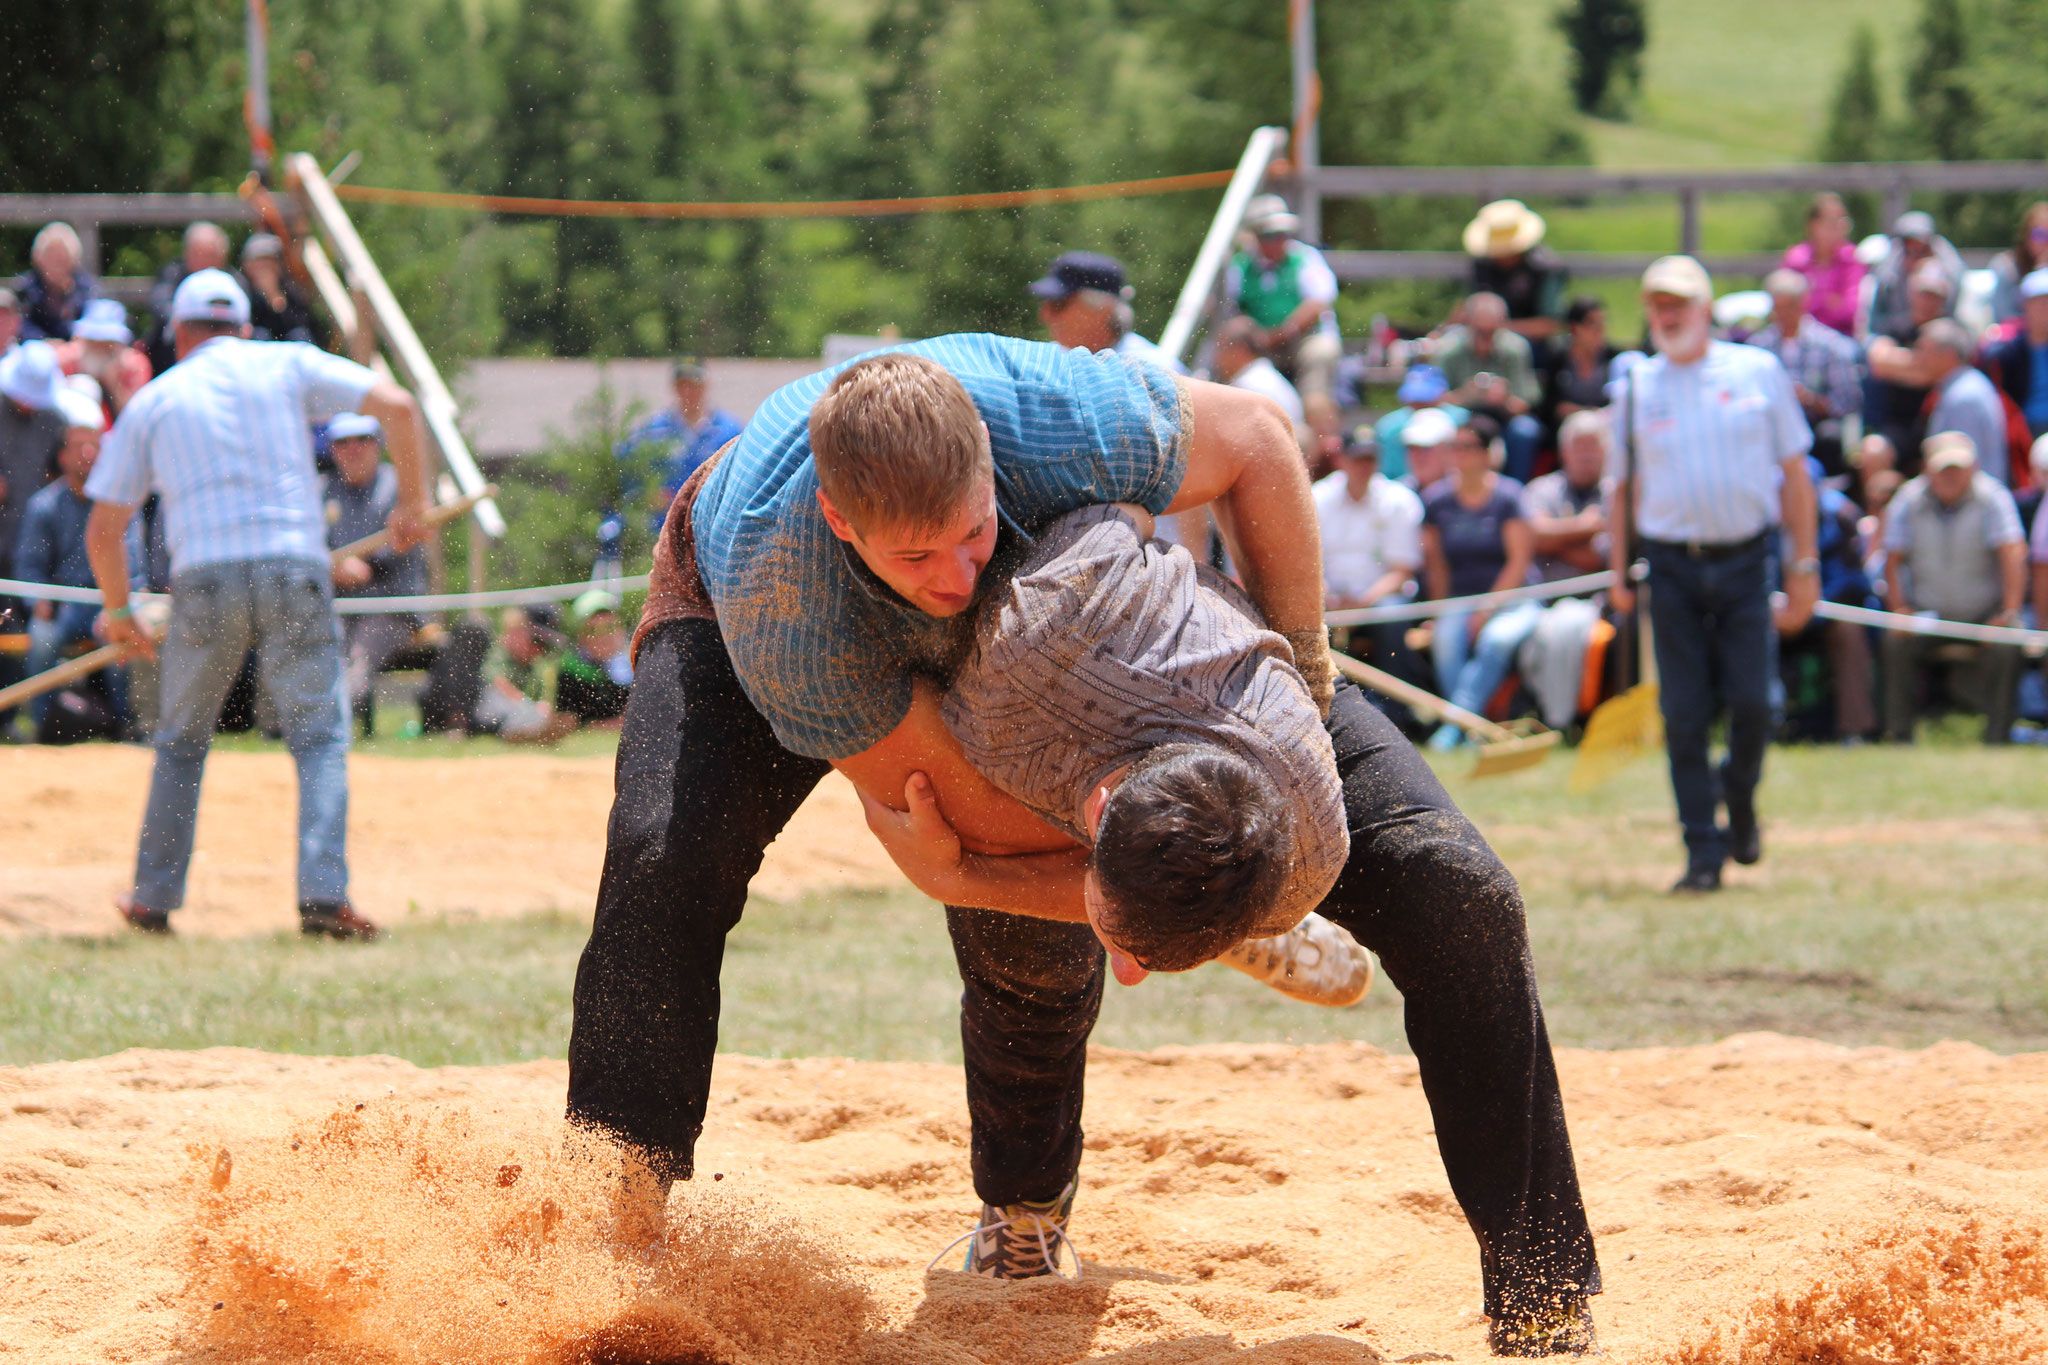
[
  {"x": 1681, "y": 276},
  {"x": 350, "y": 424},
  {"x": 30, "y": 375},
  {"x": 210, "y": 296},
  {"x": 104, "y": 320},
  {"x": 1428, "y": 427},
  {"x": 1949, "y": 450},
  {"x": 80, "y": 411}
]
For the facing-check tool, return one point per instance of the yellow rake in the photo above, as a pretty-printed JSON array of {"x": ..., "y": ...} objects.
[{"x": 1502, "y": 748}]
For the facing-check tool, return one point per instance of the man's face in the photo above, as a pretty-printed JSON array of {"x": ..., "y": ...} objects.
[
  {"x": 1273, "y": 246},
  {"x": 206, "y": 251},
  {"x": 1678, "y": 323},
  {"x": 356, "y": 458},
  {"x": 1231, "y": 357},
  {"x": 1485, "y": 319},
  {"x": 56, "y": 263},
  {"x": 1072, "y": 323},
  {"x": 2036, "y": 311},
  {"x": 690, "y": 395},
  {"x": 76, "y": 456},
  {"x": 1916, "y": 249},
  {"x": 1926, "y": 305},
  {"x": 1584, "y": 457},
  {"x": 520, "y": 643},
  {"x": 934, "y": 571},
  {"x": 1428, "y": 463},
  {"x": 1950, "y": 483},
  {"x": 101, "y": 360},
  {"x": 263, "y": 272},
  {"x": 1786, "y": 310},
  {"x": 1358, "y": 471}
]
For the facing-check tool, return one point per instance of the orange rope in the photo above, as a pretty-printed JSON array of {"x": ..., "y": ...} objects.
[{"x": 840, "y": 208}]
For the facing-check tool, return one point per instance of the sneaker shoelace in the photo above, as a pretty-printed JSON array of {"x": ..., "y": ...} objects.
[{"x": 1018, "y": 1228}]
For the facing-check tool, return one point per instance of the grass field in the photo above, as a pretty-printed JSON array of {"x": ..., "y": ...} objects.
[{"x": 1899, "y": 903}]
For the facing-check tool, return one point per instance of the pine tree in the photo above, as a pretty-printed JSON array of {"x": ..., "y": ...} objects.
[
  {"x": 1856, "y": 119},
  {"x": 1941, "y": 111},
  {"x": 1607, "y": 38}
]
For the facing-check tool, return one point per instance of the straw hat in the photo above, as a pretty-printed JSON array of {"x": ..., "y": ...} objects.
[{"x": 1506, "y": 227}]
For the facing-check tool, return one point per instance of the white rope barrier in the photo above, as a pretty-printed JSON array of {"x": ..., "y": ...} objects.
[
  {"x": 367, "y": 606},
  {"x": 1420, "y": 611},
  {"x": 1925, "y": 625}
]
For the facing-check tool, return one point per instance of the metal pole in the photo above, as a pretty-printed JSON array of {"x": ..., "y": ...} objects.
[
  {"x": 256, "y": 99},
  {"x": 1689, "y": 222},
  {"x": 1308, "y": 103},
  {"x": 1259, "y": 152}
]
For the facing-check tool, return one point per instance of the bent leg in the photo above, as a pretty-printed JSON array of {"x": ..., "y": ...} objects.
[
  {"x": 1424, "y": 891},
  {"x": 702, "y": 788},
  {"x": 1033, "y": 989}
]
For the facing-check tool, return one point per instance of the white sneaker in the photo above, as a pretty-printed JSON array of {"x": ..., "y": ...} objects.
[{"x": 1315, "y": 962}]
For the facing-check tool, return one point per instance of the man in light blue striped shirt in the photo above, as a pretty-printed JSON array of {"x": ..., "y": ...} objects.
[
  {"x": 225, "y": 438},
  {"x": 1710, "y": 458}
]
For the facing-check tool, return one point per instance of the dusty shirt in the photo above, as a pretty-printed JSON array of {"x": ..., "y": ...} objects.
[
  {"x": 822, "y": 647},
  {"x": 1105, "y": 645}
]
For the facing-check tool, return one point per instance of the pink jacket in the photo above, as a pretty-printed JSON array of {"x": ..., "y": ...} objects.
[{"x": 1834, "y": 284}]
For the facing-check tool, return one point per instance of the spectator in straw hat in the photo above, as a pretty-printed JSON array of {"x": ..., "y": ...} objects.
[
  {"x": 102, "y": 348},
  {"x": 51, "y": 549},
  {"x": 1709, "y": 464},
  {"x": 1953, "y": 550},
  {"x": 1505, "y": 242},
  {"x": 1287, "y": 288}
]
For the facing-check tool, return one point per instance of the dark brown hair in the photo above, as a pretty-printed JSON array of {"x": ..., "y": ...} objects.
[{"x": 1192, "y": 849}]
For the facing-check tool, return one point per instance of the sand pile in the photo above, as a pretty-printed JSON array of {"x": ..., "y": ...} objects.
[
  {"x": 1759, "y": 1202},
  {"x": 433, "y": 836}
]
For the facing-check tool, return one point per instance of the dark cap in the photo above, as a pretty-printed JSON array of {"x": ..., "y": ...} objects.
[
  {"x": 1362, "y": 441},
  {"x": 686, "y": 367},
  {"x": 1078, "y": 270}
]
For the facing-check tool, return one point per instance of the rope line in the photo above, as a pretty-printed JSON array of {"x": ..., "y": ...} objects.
[
  {"x": 822, "y": 208},
  {"x": 1422, "y": 611},
  {"x": 368, "y": 606}
]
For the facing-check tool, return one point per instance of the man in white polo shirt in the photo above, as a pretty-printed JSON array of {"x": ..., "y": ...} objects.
[
  {"x": 224, "y": 437},
  {"x": 1710, "y": 456}
]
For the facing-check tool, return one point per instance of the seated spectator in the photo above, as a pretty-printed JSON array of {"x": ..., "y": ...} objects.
[
  {"x": 1897, "y": 392},
  {"x": 56, "y": 289},
  {"x": 31, "y": 428},
  {"x": 1509, "y": 260},
  {"x": 2029, "y": 501},
  {"x": 1827, "y": 259},
  {"x": 10, "y": 320},
  {"x": 1083, "y": 301},
  {"x": 1491, "y": 371},
  {"x": 1567, "y": 514},
  {"x": 1288, "y": 289},
  {"x": 205, "y": 248},
  {"x": 1826, "y": 367},
  {"x": 597, "y": 675},
  {"x": 2020, "y": 363},
  {"x": 359, "y": 496},
  {"x": 1577, "y": 366},
  {"x": 1422, "y": 388},
  {"x": 1915, "y": 244},
  {"x": 2010, "y": 268},
  {"x": 1844, "y": 579},
  {"x": 1241, "y": 362},
  {"x": 678, "y": 439},
  {"x": 1964, "y": 399},
  {"x": 1953, "y": 550},
  {"x": 51, "y": 549},
  {"x": 1476, "y": 540},
  {"x": 101, "y": 348},
  {"x": 1371, "y": 530},
  {"x": 277, "y": 310},
  {"x": 520, "y": 677},
  {"x": 1429, "y": 436}
]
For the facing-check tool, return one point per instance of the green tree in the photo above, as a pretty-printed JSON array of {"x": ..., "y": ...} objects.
[
  {"x": 1607, "y": 39},
  {"x": 1856, "y": 126},
  {"x": 1941, "y": 110}
]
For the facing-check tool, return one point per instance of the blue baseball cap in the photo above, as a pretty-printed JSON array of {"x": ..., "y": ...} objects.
[
  {"x": 350, "y": 424},
  {"x": 1422, "y": 384},
  {"x": 1078, "y": 270}
]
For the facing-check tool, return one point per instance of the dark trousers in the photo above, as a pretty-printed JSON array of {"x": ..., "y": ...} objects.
[
  {"x": 1711, "y": 619},
  {"x": 703, "y": 787},
  {"x": 1986, "y": 677}
]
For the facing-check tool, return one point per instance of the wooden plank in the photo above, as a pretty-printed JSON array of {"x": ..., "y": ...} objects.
[
  {"x": 1456, "y": 265},
  {"x": 437, "y": 405},
  {"x": 1259, "y": 151},
  {"x": 132, "y": 209},
  {"x": 1497, "y": 182}
]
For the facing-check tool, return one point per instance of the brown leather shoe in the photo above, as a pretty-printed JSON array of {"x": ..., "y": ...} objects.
[
  {"x": 335, "y": 919},
  {"x": 142, "y": 918}
]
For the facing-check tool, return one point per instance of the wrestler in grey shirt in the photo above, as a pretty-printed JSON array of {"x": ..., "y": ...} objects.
[{"x": 1105, "y": 645}]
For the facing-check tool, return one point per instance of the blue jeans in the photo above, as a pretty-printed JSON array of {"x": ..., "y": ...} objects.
[
  {"x": 1521, "y": 438},
  {"x": 69, "y": 623},
  {"x": 284, "y": 608},
  {"x": 1714, "y": 644},
  {"x": 1469, "y": 671}
]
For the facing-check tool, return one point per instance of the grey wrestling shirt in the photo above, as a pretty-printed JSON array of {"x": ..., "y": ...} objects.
[{"x": 1105, "y": 645}]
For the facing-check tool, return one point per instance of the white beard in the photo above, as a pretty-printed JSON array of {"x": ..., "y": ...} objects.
[{"x": 1689, "y": 340}]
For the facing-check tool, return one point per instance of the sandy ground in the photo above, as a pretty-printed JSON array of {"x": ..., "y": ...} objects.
[
  {"x": 1270, "y": 1206},
  {"x": 490, "y": 836}
]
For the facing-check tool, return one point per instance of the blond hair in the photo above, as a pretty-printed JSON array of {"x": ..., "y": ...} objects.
[{"x": 897, "y": 444}]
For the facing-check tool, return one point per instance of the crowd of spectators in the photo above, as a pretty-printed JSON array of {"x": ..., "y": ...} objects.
[{"x": 1927, "y": 453}]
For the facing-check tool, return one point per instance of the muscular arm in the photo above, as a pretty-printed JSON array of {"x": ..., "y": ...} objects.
[
  {"x": 1243, "y": 457},
  {"x": 394, "y": 408}
]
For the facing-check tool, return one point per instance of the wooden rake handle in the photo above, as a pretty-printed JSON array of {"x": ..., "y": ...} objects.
[
  {"x": 1411, "y": 695},
  {"x": 439, "y": 515},
  {"x": 69, "y": 671}
]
